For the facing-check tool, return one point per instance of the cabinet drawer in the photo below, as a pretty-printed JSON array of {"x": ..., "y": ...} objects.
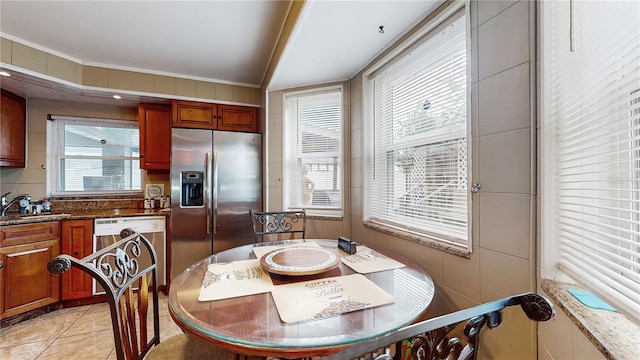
[{"x": 29, "y": 233}]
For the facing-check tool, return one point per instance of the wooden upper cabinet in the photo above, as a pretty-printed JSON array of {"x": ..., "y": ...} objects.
[
  {"x": 192, "y": 114},
  {"x": 155, "y": 136},
  {"x": 13, "y": 125},
  {"x": 238, "y": 118}
]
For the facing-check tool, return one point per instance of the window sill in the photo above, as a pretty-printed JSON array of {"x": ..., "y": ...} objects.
[
  {"x": 419, "y": 239},
  {"x": 613, "y": 334},
  {"x": 324, "y": 217}
]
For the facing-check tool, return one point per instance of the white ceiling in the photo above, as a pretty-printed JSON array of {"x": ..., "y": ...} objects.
[{"x": 224, "y": 41}]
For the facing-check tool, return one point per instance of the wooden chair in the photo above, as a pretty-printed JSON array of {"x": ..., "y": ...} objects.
[
  {"x": 127, "y": 271},
  {"x": 277, "y": 225},
  {"x": 431, "y": 339}
]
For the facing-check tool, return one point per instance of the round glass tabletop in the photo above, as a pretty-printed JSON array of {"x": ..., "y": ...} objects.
[{"x": 252, "y": 322}]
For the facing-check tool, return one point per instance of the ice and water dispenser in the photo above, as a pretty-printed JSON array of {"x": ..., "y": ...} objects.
[{"x": 192, "y": 188}]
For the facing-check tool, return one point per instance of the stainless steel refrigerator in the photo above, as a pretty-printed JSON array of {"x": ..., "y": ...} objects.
[{"x": 216, "y": 178}]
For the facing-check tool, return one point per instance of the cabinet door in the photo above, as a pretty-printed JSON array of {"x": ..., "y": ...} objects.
[
  {"x": 238, "y": 118},
  {"x": 191, "y": 114},
  {"x": 155, "y": 136},
  {"x": 77, "y": 241},
  {"x": 25, "y": 281},
  {"x": 13, "y": 122}
]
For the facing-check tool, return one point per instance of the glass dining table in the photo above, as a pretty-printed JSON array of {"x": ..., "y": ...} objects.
[{"x": 251, "y": 325}]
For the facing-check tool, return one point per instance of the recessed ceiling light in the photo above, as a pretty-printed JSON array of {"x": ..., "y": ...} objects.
[
  {"x": 117, "y": 97},
  {"x": 4, "y": 73}
]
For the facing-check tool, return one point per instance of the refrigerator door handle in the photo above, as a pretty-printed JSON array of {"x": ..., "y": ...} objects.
[
  {"x": 207, "y": 190},
  {"x": 215, "y": 191}
]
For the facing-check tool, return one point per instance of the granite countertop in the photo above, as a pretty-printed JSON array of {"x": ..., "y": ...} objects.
[
  {"x": 613, "y": 334},
  {"x": 94, "y": 214},
  {"x": 16, "y": 219}
]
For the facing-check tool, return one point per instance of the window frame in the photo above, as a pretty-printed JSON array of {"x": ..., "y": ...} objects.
[
  {"x": 56, "y": 143},
  {"x": 442, "y": 16},
  {"x": 287, "y": 129},
  {"x": 554, "y": 189}
]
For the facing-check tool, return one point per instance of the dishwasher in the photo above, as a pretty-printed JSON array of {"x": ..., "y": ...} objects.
[{"x": 107, "y": 231}]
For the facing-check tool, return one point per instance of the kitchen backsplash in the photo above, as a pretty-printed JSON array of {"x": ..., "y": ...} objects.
[
  {"x": 32, "y": 179},
  {"x": 84, "y": 203}
]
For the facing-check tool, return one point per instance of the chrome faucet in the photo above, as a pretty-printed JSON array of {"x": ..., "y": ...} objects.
[{"x": 6, "y": 203}]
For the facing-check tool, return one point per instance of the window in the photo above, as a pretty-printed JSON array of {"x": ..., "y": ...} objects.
[
  {"x": 95, "y": 156},
  {"x": 591, "y": 147},
  {"x": 313, "y": 151},
  {"x": 417, "y": 132}
]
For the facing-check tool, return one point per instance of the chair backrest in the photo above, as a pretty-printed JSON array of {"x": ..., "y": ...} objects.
[
  {"x": 431, "y": 339},
  {"x": 127, "y": 271},
  {"x": 278, "y": 225}
]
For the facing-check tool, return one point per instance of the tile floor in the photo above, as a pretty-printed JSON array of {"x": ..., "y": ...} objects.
[{"x": 82, "y": 332}]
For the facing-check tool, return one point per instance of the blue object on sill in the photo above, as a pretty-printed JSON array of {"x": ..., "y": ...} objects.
[{"x": 591, "y": 300}]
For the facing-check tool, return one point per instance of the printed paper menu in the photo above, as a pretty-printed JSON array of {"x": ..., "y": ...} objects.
[
  {"x": 326, "y": 297},
  {"x": 367, "y": 260},
  {"x": 234, "y": 279}
]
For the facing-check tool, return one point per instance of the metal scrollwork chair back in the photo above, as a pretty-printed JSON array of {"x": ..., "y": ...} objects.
[
  {"x": 127, "y": 271},
  {"x": 432, "y": 339},
  {"x": 278, "y": 225}
]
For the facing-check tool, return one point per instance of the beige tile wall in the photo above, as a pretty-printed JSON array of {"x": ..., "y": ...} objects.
[
  {"x": 504, "y": 161},
  {"x": 316, "y": 228},
  {"x": 273, "y": 152},
  {"x": 28, "y": 58},
  {"x": 561, "y": 339},
  {"x": 502, "y": 263},
  {"x": 32, "y": 179}
]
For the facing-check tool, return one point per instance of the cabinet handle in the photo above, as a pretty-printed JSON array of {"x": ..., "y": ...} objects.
[
  {"x": 75, "y": 253},
  {"x": 1, "y": 266}
]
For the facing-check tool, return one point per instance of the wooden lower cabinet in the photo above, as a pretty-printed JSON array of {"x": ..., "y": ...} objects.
[
  {"x": 25, "y": 282},
  {"x": 77, "y": 241}
]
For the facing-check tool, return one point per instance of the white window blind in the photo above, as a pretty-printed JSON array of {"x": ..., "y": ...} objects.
[
  {"x": 313, "y": 151},
  {"x": 416, "y": 123},
  {"x": 95, "y": 156},
  {"x": 592, "y": 162}
]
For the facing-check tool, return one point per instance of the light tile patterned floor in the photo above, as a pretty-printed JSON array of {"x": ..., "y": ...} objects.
[{"x": 82, "y": 332}]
